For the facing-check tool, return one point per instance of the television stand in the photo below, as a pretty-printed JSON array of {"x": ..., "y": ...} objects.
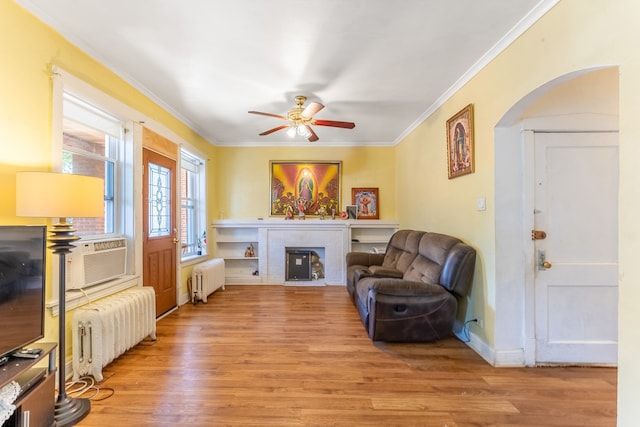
[{"x": 36, "y": 401}]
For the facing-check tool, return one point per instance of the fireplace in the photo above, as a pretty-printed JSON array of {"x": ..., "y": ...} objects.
[
  {"x": 328, "y": 239},
  {"x": 304, "y": 264}
]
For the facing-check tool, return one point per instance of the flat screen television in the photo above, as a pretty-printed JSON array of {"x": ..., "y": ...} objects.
[{"x": 22, "y": 285}]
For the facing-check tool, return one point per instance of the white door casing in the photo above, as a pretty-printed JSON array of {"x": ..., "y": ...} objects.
[{"x": 576, "y": 204}]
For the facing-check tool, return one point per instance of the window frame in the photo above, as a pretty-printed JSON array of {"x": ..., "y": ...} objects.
[
  {"x": 125, "y": 180},
  {"x": 193, "y": 163},
  {"x": 98, "y": 120},
  {"x": 128, "y": 223}
]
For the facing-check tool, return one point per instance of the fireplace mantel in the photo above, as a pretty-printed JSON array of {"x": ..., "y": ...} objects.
[{"x": 271, "y": 237}]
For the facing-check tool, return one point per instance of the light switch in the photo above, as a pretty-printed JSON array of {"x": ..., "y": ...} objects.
[{"x": 481, "y": 203}]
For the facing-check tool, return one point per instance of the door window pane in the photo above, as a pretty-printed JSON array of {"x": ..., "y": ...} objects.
[{"x": 159, "y": 201}]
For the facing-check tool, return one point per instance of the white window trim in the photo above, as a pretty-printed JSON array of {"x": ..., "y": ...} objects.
[
  {"x": 63, "y": 81},
  {"x": 202, "y": 208}
]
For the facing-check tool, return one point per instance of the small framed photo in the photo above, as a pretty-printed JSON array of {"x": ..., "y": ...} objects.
[
  {"x": 367, "y": 202},
  {"x": 460, "y": 148},
  {"x": 352, "y": 212}
]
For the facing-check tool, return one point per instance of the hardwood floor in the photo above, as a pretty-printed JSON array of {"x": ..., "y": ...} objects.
[{"x": 299, "y": 356}]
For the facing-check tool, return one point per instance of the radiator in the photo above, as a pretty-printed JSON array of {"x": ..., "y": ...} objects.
[
  {"x": 105, "y": 329},
  {"x": 206, "y": 278}
]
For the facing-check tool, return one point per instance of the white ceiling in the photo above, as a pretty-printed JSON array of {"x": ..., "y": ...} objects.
[{"x": 384, "y": 65}]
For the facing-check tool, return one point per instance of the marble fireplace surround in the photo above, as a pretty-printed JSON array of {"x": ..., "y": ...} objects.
[{"x": 331, "y": 235}]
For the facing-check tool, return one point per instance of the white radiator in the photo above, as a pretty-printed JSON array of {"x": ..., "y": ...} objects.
[
  {"x": 105, "y": 329},
  {"x": 206, "y": 278}
]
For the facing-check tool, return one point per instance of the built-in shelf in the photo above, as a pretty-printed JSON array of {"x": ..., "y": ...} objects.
[
  {"x": 367, "y": 236},
  {"x": 232, "y": 240},
  {"x": 271, "y": 237}
]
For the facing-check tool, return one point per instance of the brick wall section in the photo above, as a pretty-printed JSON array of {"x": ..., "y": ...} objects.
[{"x": 85, "y": 166}]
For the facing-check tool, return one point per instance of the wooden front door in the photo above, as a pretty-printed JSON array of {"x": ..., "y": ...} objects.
[{"x": 160, "y": 228}]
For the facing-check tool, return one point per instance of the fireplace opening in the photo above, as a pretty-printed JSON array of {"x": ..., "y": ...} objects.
[{"x": 304, "y": 264}]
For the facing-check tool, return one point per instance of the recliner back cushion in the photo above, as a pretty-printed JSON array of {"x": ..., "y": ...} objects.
[
  {"x": 433, "y": 250},
  {"x": 402, "y": 249}
]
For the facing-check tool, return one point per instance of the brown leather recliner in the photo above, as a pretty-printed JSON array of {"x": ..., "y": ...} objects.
[{"x": 410, "y": 293}]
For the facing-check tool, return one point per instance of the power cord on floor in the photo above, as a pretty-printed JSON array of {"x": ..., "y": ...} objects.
[
  {"x": 465, "y": 330},
  {"x": 86, "y": 388}
]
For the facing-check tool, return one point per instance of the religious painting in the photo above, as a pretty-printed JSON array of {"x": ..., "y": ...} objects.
[
  {"x": 460, "y": 143},
  {"x": 366, "y": 202},
  {"x": 305, "y": 188}
]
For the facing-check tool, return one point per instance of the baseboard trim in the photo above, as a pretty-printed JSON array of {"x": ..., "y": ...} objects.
[
  {"x": 497, "y": 358},
  {"x": 478, "y": 345}
]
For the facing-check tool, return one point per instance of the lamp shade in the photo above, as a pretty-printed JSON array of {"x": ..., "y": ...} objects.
[{"x": 62, "y": 195}]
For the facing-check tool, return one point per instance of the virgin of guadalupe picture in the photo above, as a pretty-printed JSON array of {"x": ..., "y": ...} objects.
[
  {"x": 460, "y": 143},
  {"x": 304, "y": 187}
]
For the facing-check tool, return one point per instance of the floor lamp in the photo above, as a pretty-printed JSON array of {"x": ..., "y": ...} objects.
[{"x": 58, "y": 195}]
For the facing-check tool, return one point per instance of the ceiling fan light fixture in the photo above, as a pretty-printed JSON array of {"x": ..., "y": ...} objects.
[
  {"x": 301, "y": 119},
  {"x": 302, "y": 130}
]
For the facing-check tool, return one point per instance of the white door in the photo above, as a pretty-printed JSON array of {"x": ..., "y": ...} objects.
[{"x": 576, "y": 205}]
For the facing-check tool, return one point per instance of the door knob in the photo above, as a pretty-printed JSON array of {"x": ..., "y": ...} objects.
[{"x": 543, "y": 264}]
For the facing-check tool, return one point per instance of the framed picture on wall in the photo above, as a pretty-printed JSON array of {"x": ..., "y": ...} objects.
[
  {"x": 460, "y": 147},
  {"x": 367, "y": 202},
  {"x": 306, "y": 186}
]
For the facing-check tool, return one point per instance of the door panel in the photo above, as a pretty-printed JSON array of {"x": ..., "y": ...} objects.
[
  {"x": 159, "y": 213},
  {"x": 576, "y": 204}
]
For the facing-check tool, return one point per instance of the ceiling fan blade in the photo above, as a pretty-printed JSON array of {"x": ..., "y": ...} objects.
[
  {"x": 335, "y": 124},
  {"x": 270, "y": 131},
  {"x": 277, "y": 116},
  {"x": 311, "y": 110},
  {"x": 312, "y": 135}
]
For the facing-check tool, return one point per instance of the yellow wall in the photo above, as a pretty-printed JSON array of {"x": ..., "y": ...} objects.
[
  {"x": 574, "y": 35},
  {"x": 242, "y": 175},
  {"x": 28, "y": 50},
  {"x": 412, "y": 177}
]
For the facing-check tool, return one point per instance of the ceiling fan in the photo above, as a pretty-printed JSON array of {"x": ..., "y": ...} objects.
[{"x": 301, "y": 119}]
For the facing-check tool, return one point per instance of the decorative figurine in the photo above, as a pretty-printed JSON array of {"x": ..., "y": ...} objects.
[
  {"x": 322, "y": 212},
  {"x": 249, "y": 252},
  {"x": 288, "y": 213}
]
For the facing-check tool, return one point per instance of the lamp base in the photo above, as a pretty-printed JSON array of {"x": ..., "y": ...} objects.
[{"x": 70, "y": 410}]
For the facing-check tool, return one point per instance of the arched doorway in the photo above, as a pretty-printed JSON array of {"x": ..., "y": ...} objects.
[{"x": 585, "y": 101}]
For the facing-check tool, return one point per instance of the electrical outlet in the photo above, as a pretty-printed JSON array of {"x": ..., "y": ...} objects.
[{"x": 480, "y": 322}]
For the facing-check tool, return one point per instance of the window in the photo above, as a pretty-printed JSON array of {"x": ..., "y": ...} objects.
[
  {"x": 97, "y": 135},
  {"x": 193, "y": 231},
  {"x": 90, "y": 146}
]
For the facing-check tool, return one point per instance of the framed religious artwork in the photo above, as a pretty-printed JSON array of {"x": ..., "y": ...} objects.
[
  {"x": 460, "y": 147},
  {"x": 305, "y": 188},
  {"x": 367, "y": 202}
]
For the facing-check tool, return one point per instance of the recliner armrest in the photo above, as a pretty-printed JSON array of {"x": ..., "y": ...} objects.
[
  {"x": 404, "y": 288},
  {"x": 380, "y": 271},
  {"x": 364, "y": 258}
]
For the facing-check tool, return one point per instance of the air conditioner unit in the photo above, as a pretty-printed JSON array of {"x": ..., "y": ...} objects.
[{"x": 96, "y": 261}]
